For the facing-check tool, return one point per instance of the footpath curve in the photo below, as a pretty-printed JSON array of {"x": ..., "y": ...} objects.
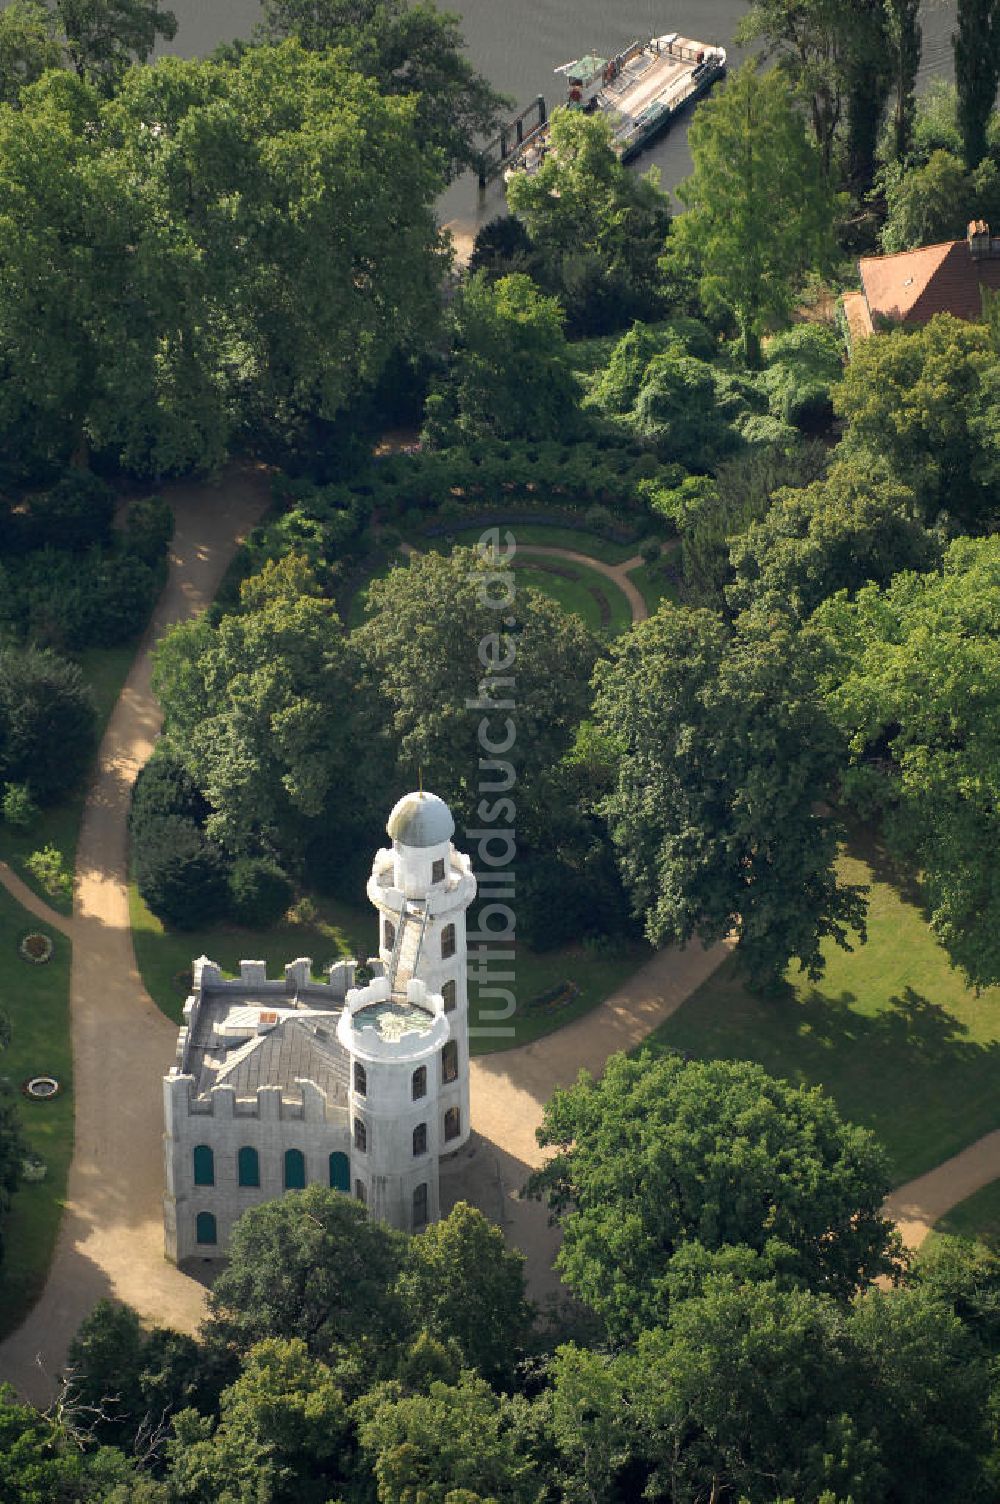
[
  {"x": 110, "y": 1240},
  {"x": 618, "y": 574}
]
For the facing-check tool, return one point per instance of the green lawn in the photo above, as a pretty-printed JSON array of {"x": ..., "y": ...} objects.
[
  {"x": 891, "y": 1031},
  {"x": 976, "y": 1217},
  {"x": 36, "y": 999},
  {"x": 105, "y": 670},
  {"x": 591, "y": 596},
  {"x": 164, "y": 958}
]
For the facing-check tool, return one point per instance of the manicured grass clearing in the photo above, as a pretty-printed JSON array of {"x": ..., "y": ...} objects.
[
  {"x": 891, "y": 1032},
  {"x": 571, "y": 594},
  {"x": 341, "y": 930},
  {"x": 577, "y": 593},
  {"x": 976, "y": 1217},
  {"x": 105, "y": 670},
  {"x": 36, "y": 999}
]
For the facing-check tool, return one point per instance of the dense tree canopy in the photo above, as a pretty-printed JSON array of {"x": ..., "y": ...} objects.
[
  {"x": 928, "y": 402},
  {"x": 261, "y": 710},
  {"x": 406, "y": 48},
  {"x": 509, "y": 374},
  {"x": 714, "y": 832},
  {"x": 759, "y": 213},
  {"x": 313, "y": 1267},
  {"x": 445, "y": 650},
  {"x": 47, "y": 722},
  {"x": 913, "y": 679},
  {"x": 852, "y": 528},
  {"x": 221, "y": 243},
  {"x": 659, "y": 1154},
  {"x": 597, "y": 229}
]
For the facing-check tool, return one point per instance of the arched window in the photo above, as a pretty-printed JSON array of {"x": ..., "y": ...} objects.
[
  {"x": 388, "y": 934},
  {"x": 248, "y": 1166},
  {"x": 452, "y": 1123},
  {"x": 447, "y": 941},
  {"x": 419, "y": 1082},
  {"x": 205, "y": 1230},
  {"x": 295, "y": 1170},
  {"x": 449, "y": 1061},
  {"x": 437, "y": 871},
  {"x": 340, "y": 1172},
  {"x": 449, "y": 991},
  {"x": 361, "y": 1192},
  {"x": 420, "y": 1139},
  {"x": 360, "y": 1080},
  {"x": 360, "y": 1136},
  {"x": 419, "y": 1207},
  {"x": 204, "y": 1165}
]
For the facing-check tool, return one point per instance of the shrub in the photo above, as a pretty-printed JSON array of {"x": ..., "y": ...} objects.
[
  {"x": 803, "y": 366},
  {"x": 259, "y": 892},
  {"x": 180, "y": 874},
  {"x": 599, "y": 520},
  {"x": 165, "y": 787},
  {"x": 47, "y": 722},
  {"x": 48, "y": 868},
  {"x": 650, "y": 551},
  {"x": 19, "y": 809},
  {"x": 149, "y": 527},
  {"x": 76, "y": 513}
]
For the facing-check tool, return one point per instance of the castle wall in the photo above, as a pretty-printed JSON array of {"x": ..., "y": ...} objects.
[{"x": 270, "y": 1124}]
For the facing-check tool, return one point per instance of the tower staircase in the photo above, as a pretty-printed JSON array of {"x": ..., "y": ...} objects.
[{"x": 409, "y": 942}]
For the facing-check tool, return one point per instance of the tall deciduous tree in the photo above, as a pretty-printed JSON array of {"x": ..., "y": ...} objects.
[
  {"x": 913, "y": 680},
  {"x": 27, "y": 47},
  {"x": 460, "y": 1282},
  {"x": 260, "y": 710},
  {"x": 759, "y": 211},
  {"x": 725, "y": 750},
  {"x": 219, "y": 244},
  {"x": 454, "y": 1443},
  {"x": 977, "y": 71},
  {"x": 597, "y": 229},
  {"x": 407, "y": 49},
  {"x": 449, "y": 664},
  {"x": 659, "y": 1154},
  {"x": 853, "y": 528},
  {"x": 812, "y": 41},
  {"x": 311, "y": 1267},
  {"x": 102, "y": 37},
  {"x": 928, "y": 402},
  {"x": 509, "y": 374}
]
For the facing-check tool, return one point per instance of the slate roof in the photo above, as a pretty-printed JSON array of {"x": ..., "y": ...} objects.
[
  {"x": 303, "y": 1045},
  {"x": 912, "y": 286}
]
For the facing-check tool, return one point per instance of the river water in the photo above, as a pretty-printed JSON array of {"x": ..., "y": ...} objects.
[{"x": 518, "y": 43}]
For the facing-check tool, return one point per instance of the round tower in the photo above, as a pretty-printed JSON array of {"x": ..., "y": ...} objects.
[{"x": 422, "y": 887}]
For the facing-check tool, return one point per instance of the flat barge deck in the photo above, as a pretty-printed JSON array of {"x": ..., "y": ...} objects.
[{"x": 639, "y": 91}]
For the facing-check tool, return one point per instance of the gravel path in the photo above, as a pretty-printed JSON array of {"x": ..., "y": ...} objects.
[
  {"x": 618, "y": 574},
  {"x": 111, "y": 1237}
]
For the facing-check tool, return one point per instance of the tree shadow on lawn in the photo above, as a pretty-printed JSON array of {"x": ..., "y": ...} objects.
[{"x": 910, "y": 1072}]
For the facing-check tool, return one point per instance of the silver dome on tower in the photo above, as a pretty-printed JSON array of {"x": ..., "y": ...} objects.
[{"x": 420, "y": 819}]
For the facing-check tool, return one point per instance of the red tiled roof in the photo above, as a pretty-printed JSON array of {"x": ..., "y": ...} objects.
[{"x": 912, "y": 286}]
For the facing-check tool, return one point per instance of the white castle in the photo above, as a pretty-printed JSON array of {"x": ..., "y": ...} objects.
[{"x": 284, "y": 1083}]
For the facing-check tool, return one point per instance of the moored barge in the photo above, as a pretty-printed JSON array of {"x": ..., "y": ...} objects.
[{"x": 639, "y": 91}]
